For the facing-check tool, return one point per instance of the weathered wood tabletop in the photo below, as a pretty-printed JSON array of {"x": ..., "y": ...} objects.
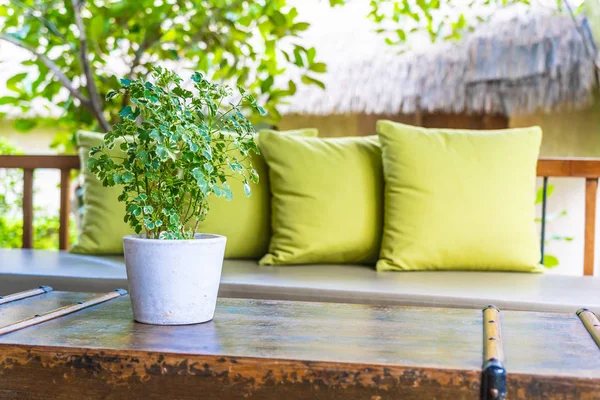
[{"x": 288, "y": 350}]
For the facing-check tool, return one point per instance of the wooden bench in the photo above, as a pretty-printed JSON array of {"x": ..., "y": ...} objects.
[{"x": 589, "y": 169}]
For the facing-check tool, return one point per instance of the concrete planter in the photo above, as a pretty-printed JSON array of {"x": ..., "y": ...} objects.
[{"x": 174, "y": 282}]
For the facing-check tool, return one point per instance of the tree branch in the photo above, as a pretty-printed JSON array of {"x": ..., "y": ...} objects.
[
  {"x": 589, "y": 53},
  {"x": 52, "y": 67},
  {"x": 87, "y": 68},
  {"x": 147, "y": 42}
]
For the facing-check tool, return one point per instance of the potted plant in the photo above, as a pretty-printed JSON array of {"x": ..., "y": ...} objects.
[{"x": 177, "y": 147}]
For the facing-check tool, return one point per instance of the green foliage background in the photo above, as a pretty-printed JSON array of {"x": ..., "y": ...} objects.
[{"x": 246, "y": 42}]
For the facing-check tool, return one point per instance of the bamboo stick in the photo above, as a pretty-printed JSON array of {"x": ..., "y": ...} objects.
[
  {"x": 59, "y": 312},
  {"x": 493, "y": 375},
  {"x": 492, "y": 335},
  {"x": 25, "y": 294},
  {"x": 591, "y": 323}
]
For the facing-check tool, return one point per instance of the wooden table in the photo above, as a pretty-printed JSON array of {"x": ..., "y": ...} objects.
[{"x": 288, "y": 350}]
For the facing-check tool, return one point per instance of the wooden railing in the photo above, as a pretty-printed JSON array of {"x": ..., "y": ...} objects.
[
  {"x": 547, "y": 167},
  {"x": 29, "y": 164}
]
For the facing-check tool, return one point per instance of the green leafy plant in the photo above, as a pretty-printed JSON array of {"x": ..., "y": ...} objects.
[
  {"x": 178, "y": 147},
  {"x": 80, "y": 48}
]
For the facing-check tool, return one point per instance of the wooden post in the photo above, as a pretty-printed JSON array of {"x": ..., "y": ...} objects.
[
  {"x": 65, "y": 189},
  {"x": 591, "y": 190},
  {"x": 27, "y": 208}
]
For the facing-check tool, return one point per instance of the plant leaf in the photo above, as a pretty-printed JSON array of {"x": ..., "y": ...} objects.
[
  {"x": 550, "y": 261},
  {"x": 312, "y": 81},
  {"x": 539, "y": 196}
]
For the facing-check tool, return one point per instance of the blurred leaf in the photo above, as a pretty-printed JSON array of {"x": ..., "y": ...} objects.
[
  {"x": 539, "y": 196},
  {"x": 169, "y": 36},
  {"x": 8, "y": 100},
  {"x": 312, "y": 81},
  {"x": 13, "y": 81},
  {"x": 97, "y": 26},
  {"x": 550, "y": 261},
  {"x": 310, "y": 55},
  {"x": 25, "y": 125},
  {"x": 318, "y": 67},
  {"x": 298, "y": 58},
  {"x": 266, "y": 84},
  {"x": 277, "y": 18},
  {"x": 291, "y": 87},
  {"x": 300, "y": 26}
]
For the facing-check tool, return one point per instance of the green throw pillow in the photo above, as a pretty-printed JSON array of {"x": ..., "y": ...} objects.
[
  {"x": 245, "y": 221},
  {"x": 459, "y": 199},
  {"x": 327, "y": 199},
  {"x": 102, "y": 226}
]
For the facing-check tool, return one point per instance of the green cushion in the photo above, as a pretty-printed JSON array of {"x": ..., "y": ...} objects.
[
  {"x": 243, "y": 220},
  {"x": 327, "y": 203},
  {"x": 102, "y": 226},
  {"x": 459, "y": 199},
  {"x": 246, "y": 221}
]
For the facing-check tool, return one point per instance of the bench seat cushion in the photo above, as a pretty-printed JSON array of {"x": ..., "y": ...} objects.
[{"x": 26, "y": 269}]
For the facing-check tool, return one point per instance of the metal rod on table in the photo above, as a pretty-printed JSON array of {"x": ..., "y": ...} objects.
[
  {"x": 25, "y": 294},
  {"x": 59, "y": 312},
  {"x": 591, "y": 323},
  {"x": 493, "y": 379}
]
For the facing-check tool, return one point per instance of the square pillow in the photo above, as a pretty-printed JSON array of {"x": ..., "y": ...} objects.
[
  {"x": 245, "y": 221},
  {"x": 102, "y": 226},
  {"x": 327, "y": 199},
  {"x": 459, "y": 199}
]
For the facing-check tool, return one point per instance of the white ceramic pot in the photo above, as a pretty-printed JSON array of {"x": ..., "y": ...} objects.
[{"x": 174, "y": 282}]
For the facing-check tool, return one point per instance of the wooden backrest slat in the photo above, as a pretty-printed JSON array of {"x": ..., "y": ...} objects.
[
  {"x": 27, "y": 208},
  {"x": 591, "y": 191},
  {"x": 43, "y": 161},
  {"x": 65, "y": 209},
  {"x": 569, "y": 167}
]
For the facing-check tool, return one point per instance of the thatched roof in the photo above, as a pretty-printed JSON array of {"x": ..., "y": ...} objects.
[{"x": 515, "y": 65}]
